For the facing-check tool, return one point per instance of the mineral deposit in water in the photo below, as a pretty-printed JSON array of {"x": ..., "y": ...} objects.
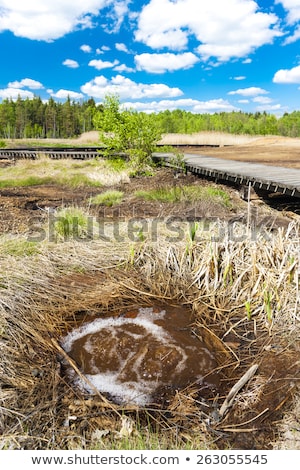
[{"x": 136, "y": 356}]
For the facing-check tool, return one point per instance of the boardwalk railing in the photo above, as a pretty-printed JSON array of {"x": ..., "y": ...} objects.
[
  {"x": 267, "y": 178},
  {"x": 82, "y": 153},
  {"x": 272, "y": 179}
]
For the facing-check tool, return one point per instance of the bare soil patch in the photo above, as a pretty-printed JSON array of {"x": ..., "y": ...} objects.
[
  {"x": 20, "y": 208},
  {"x": 278, "y": 151}
]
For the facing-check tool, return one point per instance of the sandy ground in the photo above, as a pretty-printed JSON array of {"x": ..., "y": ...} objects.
[{"x": 278, "y": 151}]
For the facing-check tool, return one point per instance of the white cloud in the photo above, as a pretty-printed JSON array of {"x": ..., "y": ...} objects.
[
  {"x": 243, "y": 101},
  {"x": 295, "y": 36},
  {"x": 262, "y": 99},
  {"x": 120, "y": 46},
  {"x": 273, "y": 107},
  {"x": 86, "y": 48},
  {"x": 240, "y": 77},
  {"x": 102, "y": 64},
  {"x": 48, "y": 20},
  {"x": 14, "y": 93},
  {"x": 194, "y": 106},
  {"x": 101, "y": 50},
  {"x": 293, "y": 9},
  {"x": 28, "y": 83},
  {"x": 251, "y": 91},
  {"x": 116, "y": 16},
  {"x": 161, "y": 63},
  {"x": 123, "y": 68},
  {"x": 287, "y": 76},
  {"x": 224, "y": 29},
  {"x": 72, "y": 64},
  {"x": 100, "y": 86},
  {"x": 63, "y": 94}
]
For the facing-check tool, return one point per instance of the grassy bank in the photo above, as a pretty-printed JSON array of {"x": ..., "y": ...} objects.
[{"x": 74, "y": 174}]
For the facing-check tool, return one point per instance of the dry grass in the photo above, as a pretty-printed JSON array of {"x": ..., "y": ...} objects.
[
  {"x": 207, "y": 138},
  {"x": 228, "y": 285},
  {"x": 68, "y": 172}
]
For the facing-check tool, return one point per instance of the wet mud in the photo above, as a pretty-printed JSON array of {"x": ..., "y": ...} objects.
[{"x": 142, "y": 356}]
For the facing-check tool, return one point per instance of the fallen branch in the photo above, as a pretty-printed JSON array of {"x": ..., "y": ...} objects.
[
  {"x": 235, "y": 389},
  {"x": 81, "y": 375},
  {"x": 235, "y": 427}
]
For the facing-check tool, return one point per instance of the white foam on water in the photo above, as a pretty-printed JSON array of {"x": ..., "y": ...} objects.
[
  {"x": 144, "y": 319},
  {"x": 138, "y": 393},
  {"x": 131, "y": 362}
]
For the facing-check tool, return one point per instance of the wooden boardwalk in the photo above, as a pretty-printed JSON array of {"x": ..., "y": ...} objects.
[
  {"x": 81, "y": 153},
  {"x": 273, "y": 179}
]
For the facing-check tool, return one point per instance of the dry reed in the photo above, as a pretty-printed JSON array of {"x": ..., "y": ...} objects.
[{"x": 229, "y": 285}]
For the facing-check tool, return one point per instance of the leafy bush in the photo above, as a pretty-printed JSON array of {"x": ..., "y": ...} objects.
[{"x": 128, "y": 131}]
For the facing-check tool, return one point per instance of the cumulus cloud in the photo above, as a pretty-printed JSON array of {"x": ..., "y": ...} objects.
[
  {"x": 100, "y": 86},
  {"x": 72, "y": 64},
  {"x": 63, "y": 94},
  {"x": 116, "y": 16},
  {"x": 287, "y": 76},
  {"x": 120, "y": 46},
  {"x": 194, "y": 106},
  {"x": 251, "y": 91},
  {"x": 224, "y": 30},
  {"x": 168, "y": 62},
  {"x": 271, "y": 108},
  {"x": 26, "y": 83},
  {"x": 123, "y": 68},
  {"x": 86, "y": 48},
  {"x": 102, "y": 64},
  {"x": 293, "y": 9},
  {"x": 14, "y": 93},
  {"x": 45, "y": 20},
  {"x": 293, "y": 38},
  {"x": 262, "y": 99}
]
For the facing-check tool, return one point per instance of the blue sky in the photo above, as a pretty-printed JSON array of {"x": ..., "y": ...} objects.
[{"x": 198, "y": 55}]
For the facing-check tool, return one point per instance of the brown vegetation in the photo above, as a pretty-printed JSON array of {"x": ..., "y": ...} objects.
[{"x": 238, "y": 278}]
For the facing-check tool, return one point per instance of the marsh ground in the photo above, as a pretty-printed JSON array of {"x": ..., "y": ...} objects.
[{"x": 243, "y": 294}]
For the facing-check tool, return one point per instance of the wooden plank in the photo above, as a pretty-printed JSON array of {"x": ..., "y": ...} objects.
[{"x": 273, "y": 178}]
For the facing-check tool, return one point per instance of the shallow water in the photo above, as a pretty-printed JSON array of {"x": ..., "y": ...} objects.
[{"x": 141, "y": 355}]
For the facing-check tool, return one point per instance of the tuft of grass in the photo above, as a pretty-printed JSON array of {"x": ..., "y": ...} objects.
[
  {"x": 71, "y": 222},
  {"x": 117, "y": 164},
  {"x": 192, "y": 194},
  {"x": 108, "y": 198},
  {"x": 18, "y": 247},
  {"x": 26, "y": 182},
  {"x": 79, "y": 180}
]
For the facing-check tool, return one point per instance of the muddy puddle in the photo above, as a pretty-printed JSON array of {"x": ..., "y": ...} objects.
[{"x": 142, "y": 356}]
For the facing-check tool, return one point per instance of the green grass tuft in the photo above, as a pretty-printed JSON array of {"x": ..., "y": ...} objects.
[
  {"x": 71, "y": 222},
  {"x": 18, "y": 247},
  {"x": 108, "y": 198},
  {"x": 192, "y": 194}
]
